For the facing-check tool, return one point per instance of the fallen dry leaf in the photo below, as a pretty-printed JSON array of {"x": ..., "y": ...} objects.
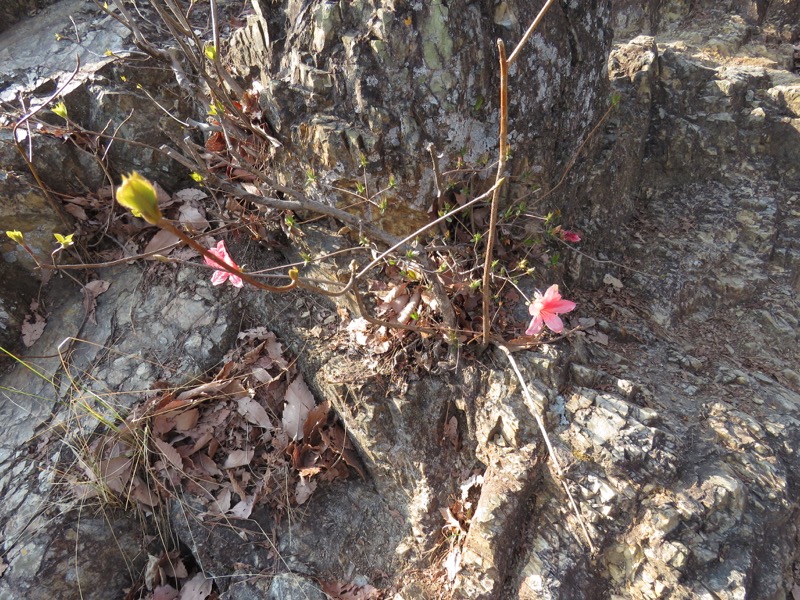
[
  {"x": 316, "y": 417},
  {"x": 261, "y": 375},
  {"x": 152, "y": 576},
  {"x": 143, "y": 494},
  {"x": 116, "y": 473},
  {"x": 173, "y": 567},
  {"x": 238, "y": 458},
  {"x": 304, "y": 489},
  {"x": 186, "y": 420},
  {"x": 254, "y": 412},
  {"x": 197, "y": 588},
  {"x": 599, "y": 337},
  {"x": 90, "y": 292},
  {"x": 609, "y": 279},
  {"x": 190, "y": 195},
  {"x": 299, "y": 403},
  {"x": 76, "y": 211},
  {"x": 338, "y": 590},
  {"x": 165, "y": 592},
  {"x": 222, "y": 502},
  {"x": 206, "y": 389},
  {"x": 409, "y": 309},
  {"x": 169, "y": 453},
  {"x": 32, "y": 330},
  {"x": 193, "y": 217},
  {"x": 450, "y": 432},
  {"x": 452, "y": 563},
  {"x": 161, "y": 242},
  {"x": 244, "y": 508}
]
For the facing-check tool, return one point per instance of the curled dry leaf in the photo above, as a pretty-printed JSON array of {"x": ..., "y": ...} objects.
[
  {"x": 316, "y": 417},
  {"x": 206, "y": 389},
  {"x": 222, "y": 502},
  {"x": 404, "y": 316},
  {"x": 194, "y": 217},
  {"x": 152, "y": 576},
  {"x": 243, "y": 508}
]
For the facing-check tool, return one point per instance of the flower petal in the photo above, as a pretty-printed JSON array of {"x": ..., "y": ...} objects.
[
  {"x": 562, "y": 306},
  {"x": 551, "y": 295},
  {"x": 210, "y": 262},
  {"x": 235, "y": 280},
  {"x": 535, "y": 326},
  {"x": 553, "y": 322},
  {"x": 219, "y": 277}
]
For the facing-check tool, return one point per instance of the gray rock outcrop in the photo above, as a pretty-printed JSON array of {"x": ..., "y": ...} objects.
[{"x": 674, "y": 412}]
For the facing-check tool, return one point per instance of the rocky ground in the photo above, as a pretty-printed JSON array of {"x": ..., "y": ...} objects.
[{"x": 673, "y": 410}]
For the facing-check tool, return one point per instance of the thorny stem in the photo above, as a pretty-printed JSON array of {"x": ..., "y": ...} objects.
[{"x": 501, "y": 167}]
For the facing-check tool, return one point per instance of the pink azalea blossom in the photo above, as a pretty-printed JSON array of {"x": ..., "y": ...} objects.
[
  {"x": 545, "y": 310},
  {"x": 570, "y": 236},
  {"x": 219, "y": 277},
  {"x": 567, "y": 235}
]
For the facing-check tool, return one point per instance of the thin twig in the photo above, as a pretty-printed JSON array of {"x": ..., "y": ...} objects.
[
  {"x": 501, "y": 167},
  {"x": 223, "y": 266},
  {"x": 530, "y": 31},
  {"x": 29, "y": 160},
  {"x": 437, "y": 175},
  {"x": 577, "y": 152},
  {"x": 425, "y": 228},
  {"x": 534, "y": 409}
]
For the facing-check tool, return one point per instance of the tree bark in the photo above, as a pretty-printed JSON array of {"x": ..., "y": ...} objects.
[{"x": 376, "y": 81}]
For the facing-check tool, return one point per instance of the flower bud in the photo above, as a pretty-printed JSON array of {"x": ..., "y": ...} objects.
[
  {"x": 139, "y": 195},
  {"x": 16, "y": 236}
]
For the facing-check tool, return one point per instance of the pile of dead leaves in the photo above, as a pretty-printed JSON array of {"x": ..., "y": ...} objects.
[{"x": 235, "y": 442}]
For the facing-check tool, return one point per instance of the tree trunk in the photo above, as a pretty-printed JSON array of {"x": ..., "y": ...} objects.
[{"x": 375, "y": 82}]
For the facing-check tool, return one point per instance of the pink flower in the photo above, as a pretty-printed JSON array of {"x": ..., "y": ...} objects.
[
  {"x": 545, "y": 310},
  {"x": 219, "y": 277},
  {"x": 570, "y": 236},
  {"x": 567, "y": 235}
]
